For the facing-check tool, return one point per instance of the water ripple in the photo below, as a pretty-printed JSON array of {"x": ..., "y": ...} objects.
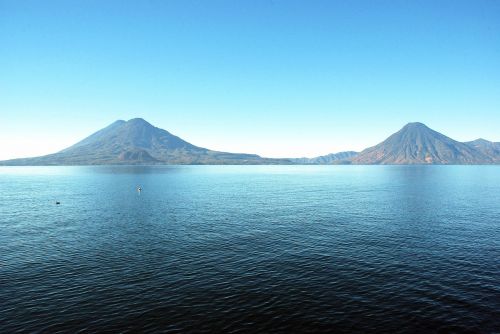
[{"x": 251, "y": 250}]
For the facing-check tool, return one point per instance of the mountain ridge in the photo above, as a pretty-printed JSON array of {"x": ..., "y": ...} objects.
[
  {"x": 138, "y": 142},
  {"x": 487, "y": 147},
  {"x": 332, "y": 158}
]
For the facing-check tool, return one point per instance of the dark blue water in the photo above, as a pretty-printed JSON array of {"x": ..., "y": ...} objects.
[{"x": 250, "y": 249}]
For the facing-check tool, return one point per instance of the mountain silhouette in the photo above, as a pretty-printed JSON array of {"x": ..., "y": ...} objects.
[
  {"x": 329, "y": 159},
  {"x": 486, "y": 147},
  {"x": 138, "y": 142},
  {"x": 415, "y": 143}
]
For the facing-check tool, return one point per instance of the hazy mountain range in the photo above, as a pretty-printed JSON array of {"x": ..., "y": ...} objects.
[
  {"x": 332, "y": 158},
  {"x": 138, "y": 142}
]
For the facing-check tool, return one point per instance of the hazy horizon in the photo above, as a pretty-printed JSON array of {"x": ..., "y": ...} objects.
[{"x": 273, "y": 78}]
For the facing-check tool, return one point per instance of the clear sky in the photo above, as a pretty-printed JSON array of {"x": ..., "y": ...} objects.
[{"x": 275, "y": 78}]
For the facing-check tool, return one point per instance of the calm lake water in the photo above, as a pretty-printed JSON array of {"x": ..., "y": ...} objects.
[{"x": 250, "y": 249}]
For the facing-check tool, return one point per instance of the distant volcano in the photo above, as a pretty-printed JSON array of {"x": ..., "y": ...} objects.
[
  {"x": 138, "y": 142},
  {"x": 415, "y": 143}
]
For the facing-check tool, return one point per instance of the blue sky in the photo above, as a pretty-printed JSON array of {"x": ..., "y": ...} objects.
[{"x": 276, "y": 78}]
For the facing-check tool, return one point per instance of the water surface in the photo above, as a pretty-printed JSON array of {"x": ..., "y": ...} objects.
[{"x": 250, "y": 249}]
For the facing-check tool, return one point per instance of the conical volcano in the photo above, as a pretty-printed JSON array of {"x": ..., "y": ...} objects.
[
  {"x": 138, "y": 142},
  {"x": 415, "y": 143}
]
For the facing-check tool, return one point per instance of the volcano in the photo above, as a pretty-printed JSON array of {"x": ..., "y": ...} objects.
[
  {"x": 138, "y": 142},
  {"x": 416, "y": 143}
]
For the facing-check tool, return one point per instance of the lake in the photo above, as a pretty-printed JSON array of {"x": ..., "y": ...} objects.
[{"x": 250, "y": 249}]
